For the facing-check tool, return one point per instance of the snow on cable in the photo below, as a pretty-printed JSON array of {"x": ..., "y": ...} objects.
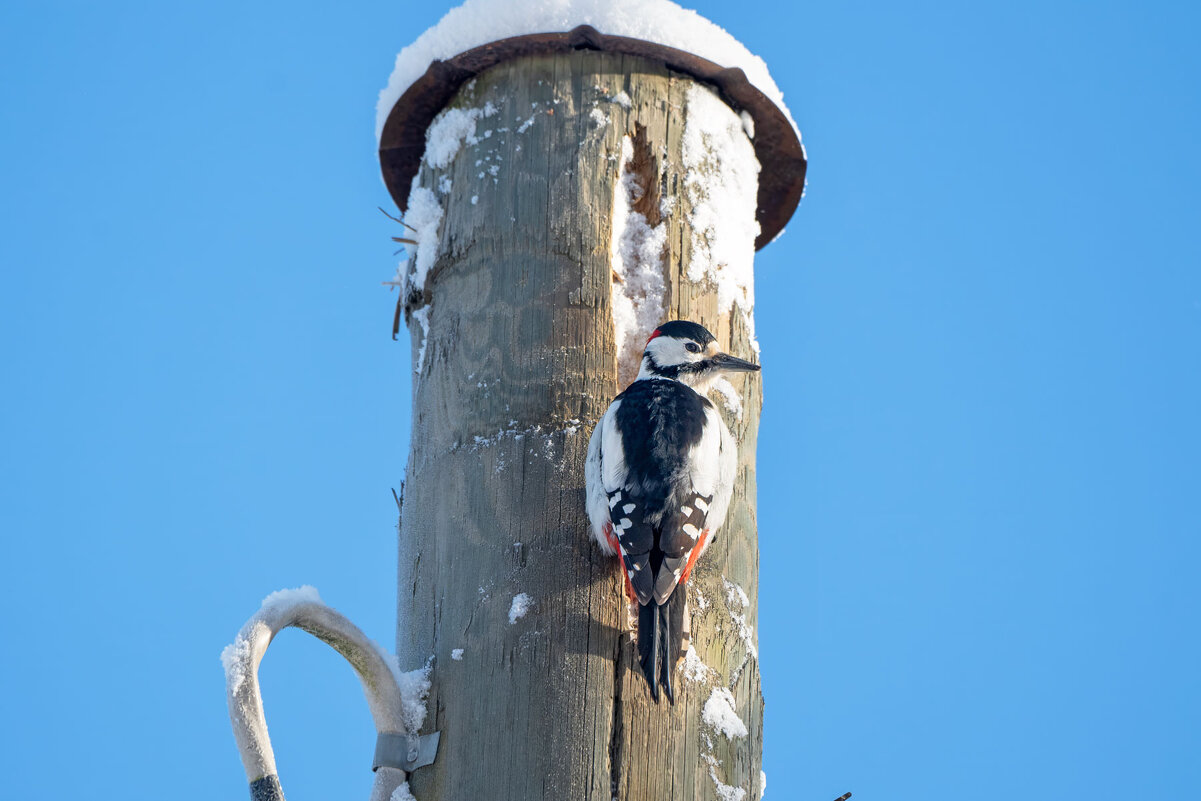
[{"x": 396, "y": 698}]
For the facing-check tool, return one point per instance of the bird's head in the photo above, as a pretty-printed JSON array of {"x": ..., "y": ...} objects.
[{"x": 688, "y": 353}]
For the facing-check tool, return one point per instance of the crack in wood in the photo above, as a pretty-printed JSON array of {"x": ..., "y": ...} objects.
[{"x": 616, "y": 733}]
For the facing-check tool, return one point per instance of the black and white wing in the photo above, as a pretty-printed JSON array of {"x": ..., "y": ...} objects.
[{"x": 700, "y": 508}]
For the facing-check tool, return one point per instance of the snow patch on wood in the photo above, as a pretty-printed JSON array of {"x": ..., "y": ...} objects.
[
  {"x": 414, "y": 689},
  {"x": 738, "y": 604},
  {"x": 636, "y": 248},
  {"x": 520, "y": 607},
  {"x": 719, "y": 713},
  {"x": 729, "y": 396},
  {"x": 695, "y": 670},
  {"x": 725, "y": 792},
  {"x": 422, "y": 318},
  {"x": 424, "y": 219},
  {"x": 722, "y": 184},
  {"x": 449, "y": 130},
  {"x": 735, "y": 595}
]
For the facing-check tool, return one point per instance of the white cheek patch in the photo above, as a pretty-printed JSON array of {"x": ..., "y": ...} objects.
[{"x": 670, "y": 351}]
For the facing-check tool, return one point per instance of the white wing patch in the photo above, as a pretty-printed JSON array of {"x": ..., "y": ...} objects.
[
  {"x": 704, "y": 460},
  {"x": 605, "y": 462},
  {"x": 596, "y": 500},
  {"x": 613, "y": 455},
  {"x": 714, "y": 463},
  {"x": 727, "y": 469}
]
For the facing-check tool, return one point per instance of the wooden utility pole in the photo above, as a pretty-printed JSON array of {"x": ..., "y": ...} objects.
[{"x": 536, "y": 689}]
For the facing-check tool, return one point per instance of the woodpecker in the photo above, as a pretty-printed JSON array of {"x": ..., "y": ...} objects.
[{"x": 659, "y": 474}]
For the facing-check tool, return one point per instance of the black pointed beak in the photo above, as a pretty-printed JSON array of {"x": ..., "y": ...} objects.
[{"x": 732, "y": 364}]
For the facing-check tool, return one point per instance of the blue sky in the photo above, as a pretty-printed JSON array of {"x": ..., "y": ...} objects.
[{"x": 978, "y": 459}]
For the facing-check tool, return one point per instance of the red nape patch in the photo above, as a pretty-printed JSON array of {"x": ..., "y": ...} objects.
[{"x": 654, "y": 334}]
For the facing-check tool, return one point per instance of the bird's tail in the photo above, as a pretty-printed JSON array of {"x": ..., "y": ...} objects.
[{"x": 660, "y": 636}]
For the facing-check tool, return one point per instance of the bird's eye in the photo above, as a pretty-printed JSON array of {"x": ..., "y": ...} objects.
[{"x": 692, "y": 347}]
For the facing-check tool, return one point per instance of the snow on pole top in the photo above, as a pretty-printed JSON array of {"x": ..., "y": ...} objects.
[
  {"x": 482, "y": 34},
  {"x": 480, "y": 22}
]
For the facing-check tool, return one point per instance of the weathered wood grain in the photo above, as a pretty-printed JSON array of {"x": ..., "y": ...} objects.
[{"x": 520, "y": 363}]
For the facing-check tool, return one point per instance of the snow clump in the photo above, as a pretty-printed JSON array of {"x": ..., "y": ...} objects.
[
  {"x": 449, "y": 130},
  {"x": 719, "y": 713},
  {"x": 414, "y": 689},
  {"x": 729, "y": 396},
  {"x": 695, "y": 669},
  {"x": 306, "y": 594},
  {"x": 402, "y": 793},
  {"x": 424, "y": 217},
  {"x": 519, "y": 607}
]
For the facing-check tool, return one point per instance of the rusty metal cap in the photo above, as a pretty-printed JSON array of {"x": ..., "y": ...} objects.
[{"x": 781, "y": 179}]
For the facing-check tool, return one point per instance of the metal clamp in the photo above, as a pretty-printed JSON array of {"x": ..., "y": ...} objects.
[{"x": 405, "y": 751}]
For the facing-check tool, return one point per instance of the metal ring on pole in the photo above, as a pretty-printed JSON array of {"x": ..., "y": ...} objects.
[
  {"x": 776, "y": 142},
  {"x": 306, "y": 612}
]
